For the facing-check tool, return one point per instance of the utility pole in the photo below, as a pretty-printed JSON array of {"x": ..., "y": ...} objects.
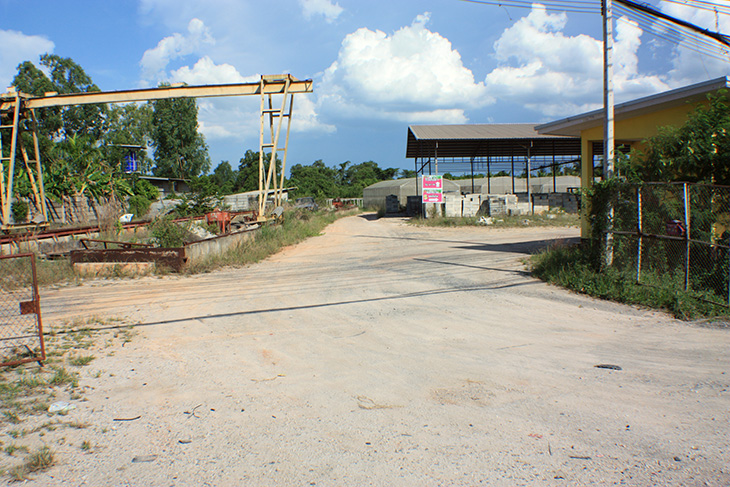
[
  {"x": 608, "y": 125},
  {"x": 608, "y": 132}
]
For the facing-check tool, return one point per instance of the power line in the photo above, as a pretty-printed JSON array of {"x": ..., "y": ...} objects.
[
  {"x": 589, "y": 7},
  {"x": 651, "y": 20},
  {"x": 721, "y": 38}
]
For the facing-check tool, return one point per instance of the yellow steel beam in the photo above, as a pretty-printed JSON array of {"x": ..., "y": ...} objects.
[{"x": 275, "y": 85}]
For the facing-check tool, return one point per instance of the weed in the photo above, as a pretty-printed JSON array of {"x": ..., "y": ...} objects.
[
  {"x": 12, "y": 448},
  {"x": 551, "y": 219},
  {"x": 85, "y": 446},
  {"x": 40, "y": 459},
  {"x": 63, "y": 377},
  {"x": 11, "y": 416},
  {"x": 569, "y": 266},
  {"x": 81, "y": 360}
]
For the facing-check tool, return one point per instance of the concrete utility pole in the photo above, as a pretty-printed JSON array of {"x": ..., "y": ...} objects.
[
  {"x": 608, "y": 133},
  {"x": 608, "y": 126}
]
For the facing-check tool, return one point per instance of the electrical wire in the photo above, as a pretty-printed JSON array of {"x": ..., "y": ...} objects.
[
  {"x": 662, "y": 28},
  {"x": 674, "y": 34},
  {"x": 700, "y": 5},
  {"x": 586, "y": 7}
]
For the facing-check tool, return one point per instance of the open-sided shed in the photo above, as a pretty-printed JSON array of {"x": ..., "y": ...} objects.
[{"x": 506, "y": 148}]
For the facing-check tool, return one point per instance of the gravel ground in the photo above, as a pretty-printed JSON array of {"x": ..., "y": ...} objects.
[{"x": 385, "y": 354}]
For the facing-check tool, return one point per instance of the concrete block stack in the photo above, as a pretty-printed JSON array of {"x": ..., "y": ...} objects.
[
  {"x": 453, "y": 204},
  {"x": 391, "y": 204},
  {"x": 566, "y": 201},
  {"x": 471, "y": 205},
  {"x": 540, "y": 202},
  {"x": 413, "y": 206},
  {"x": 503, "y": 204}
]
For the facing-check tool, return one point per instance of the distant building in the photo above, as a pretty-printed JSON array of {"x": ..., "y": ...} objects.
[
  {"x": 374, "y": 196},
  {"x": 168, "y": 186}
]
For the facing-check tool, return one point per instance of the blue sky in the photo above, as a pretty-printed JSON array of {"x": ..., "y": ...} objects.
[{"x": 378, "y": 66}]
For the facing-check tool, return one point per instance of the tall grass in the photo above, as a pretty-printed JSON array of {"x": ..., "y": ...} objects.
[
  {"x": 557, "y": 219},
  {"x": 570, "y": 267}
]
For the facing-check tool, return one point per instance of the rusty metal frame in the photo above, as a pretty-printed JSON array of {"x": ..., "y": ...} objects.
[
  {"x": 174, "y": 258},
  {"x": 21, "y": 108},
  {"x": 26, "y": 307}
]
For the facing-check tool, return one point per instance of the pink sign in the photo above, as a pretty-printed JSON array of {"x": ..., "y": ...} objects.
[
  {"x": 433, "y": 182},
  {"x": 433, "y": 197},
  {"x": 433, "y": 189}
]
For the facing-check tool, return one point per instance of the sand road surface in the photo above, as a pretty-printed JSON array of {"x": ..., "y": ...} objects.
[{"x": 385, "y": 354}]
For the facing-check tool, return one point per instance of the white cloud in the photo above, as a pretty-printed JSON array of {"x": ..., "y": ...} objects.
[
  {"x": 206, "y": 72},
  {"x": 15, "y": 48},
  {"x": 155, "y": 61},
  {"x": 305, "y": 117},
  {"x": 544, "y": 70},
  {"x": 408, "y": 74},
  {"x": 239, "y": 117},
  {"x": 330, "y": 11},
  {"x": 689, "y": 66}
]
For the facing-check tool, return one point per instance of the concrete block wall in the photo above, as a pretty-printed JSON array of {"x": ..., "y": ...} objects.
[{"x": 392, "y": 205}]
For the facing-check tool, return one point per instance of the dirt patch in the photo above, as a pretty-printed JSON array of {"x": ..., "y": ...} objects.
[{"x": 385, "y": 354}]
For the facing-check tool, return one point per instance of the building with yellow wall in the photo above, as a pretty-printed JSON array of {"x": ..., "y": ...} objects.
[{"x": 635, "y": 121}]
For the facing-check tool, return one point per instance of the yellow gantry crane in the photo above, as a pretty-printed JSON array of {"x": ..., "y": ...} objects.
[{"x": 19, "y": 114}]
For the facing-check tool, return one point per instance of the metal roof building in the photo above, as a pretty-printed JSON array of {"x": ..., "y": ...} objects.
[
  {"x": 375, "y": 194},
  {"x": 506, "y": 148}
]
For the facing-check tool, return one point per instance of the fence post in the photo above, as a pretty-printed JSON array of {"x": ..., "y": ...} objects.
[
  {"x": 639, "y": 229},
  {"x": 686, "y": 236}
]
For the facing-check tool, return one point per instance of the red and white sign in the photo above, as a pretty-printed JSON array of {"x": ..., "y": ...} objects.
[
  {"x": 433, "y": 189},
  {"x": 433, "y": 182}
]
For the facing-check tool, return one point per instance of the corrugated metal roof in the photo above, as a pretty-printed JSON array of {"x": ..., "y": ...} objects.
[
  {"x": 486, "y": 140},
  {"x": 477, "y": 131},
  {"x": 633, "y": 108}
]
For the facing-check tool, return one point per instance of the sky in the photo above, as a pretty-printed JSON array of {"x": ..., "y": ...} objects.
[{"x": 377, "y": 66}]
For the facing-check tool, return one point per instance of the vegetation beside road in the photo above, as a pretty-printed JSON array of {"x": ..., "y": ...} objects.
[
  {"x": 296, "y": 227},
  {"x": 571, "y": 267},
  {"x": 551, "y": 219}
]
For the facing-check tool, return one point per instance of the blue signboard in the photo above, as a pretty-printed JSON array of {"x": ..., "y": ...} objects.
[{"x": 130, "y": 162}]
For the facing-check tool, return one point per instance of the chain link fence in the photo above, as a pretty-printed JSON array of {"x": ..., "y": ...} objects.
[
  {"x": 21, "y": 330},
  {"x": 674, "y": 235}
]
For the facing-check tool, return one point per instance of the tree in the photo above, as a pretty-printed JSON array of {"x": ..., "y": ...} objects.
[
  {"x": 78, "y": 168},
  {"x": 699, "y": 151},
  {"x": 247, "y": 178},
  {"x": 180, "y": 151},
  {"x": 69, "y": 77},
  {"x": 129, "y": 124},
  {"x": 315, "y": 180},
  {"x": 65, "y": 77},
  {"x": 224, "y": 177}
]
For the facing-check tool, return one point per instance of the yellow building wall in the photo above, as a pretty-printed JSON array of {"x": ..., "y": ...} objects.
[{"x": 632, "y": 131}]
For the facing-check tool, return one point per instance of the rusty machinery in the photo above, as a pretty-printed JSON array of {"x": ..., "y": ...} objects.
[{"x": 20, "y": 108}]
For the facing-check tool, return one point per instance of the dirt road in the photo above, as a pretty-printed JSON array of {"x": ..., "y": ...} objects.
[{"x": 385, "y": 354}]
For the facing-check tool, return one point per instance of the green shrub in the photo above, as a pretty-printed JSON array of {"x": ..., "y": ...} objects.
[
  {"x": 167, "y": 234},
  {"x": 139, "y": 205},
  {"x": 20, "y": 209},
  {"x": 574, "y": 267}
]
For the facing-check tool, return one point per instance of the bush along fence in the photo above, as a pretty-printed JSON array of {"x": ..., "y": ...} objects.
[{"x": 671, "y": 235}]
